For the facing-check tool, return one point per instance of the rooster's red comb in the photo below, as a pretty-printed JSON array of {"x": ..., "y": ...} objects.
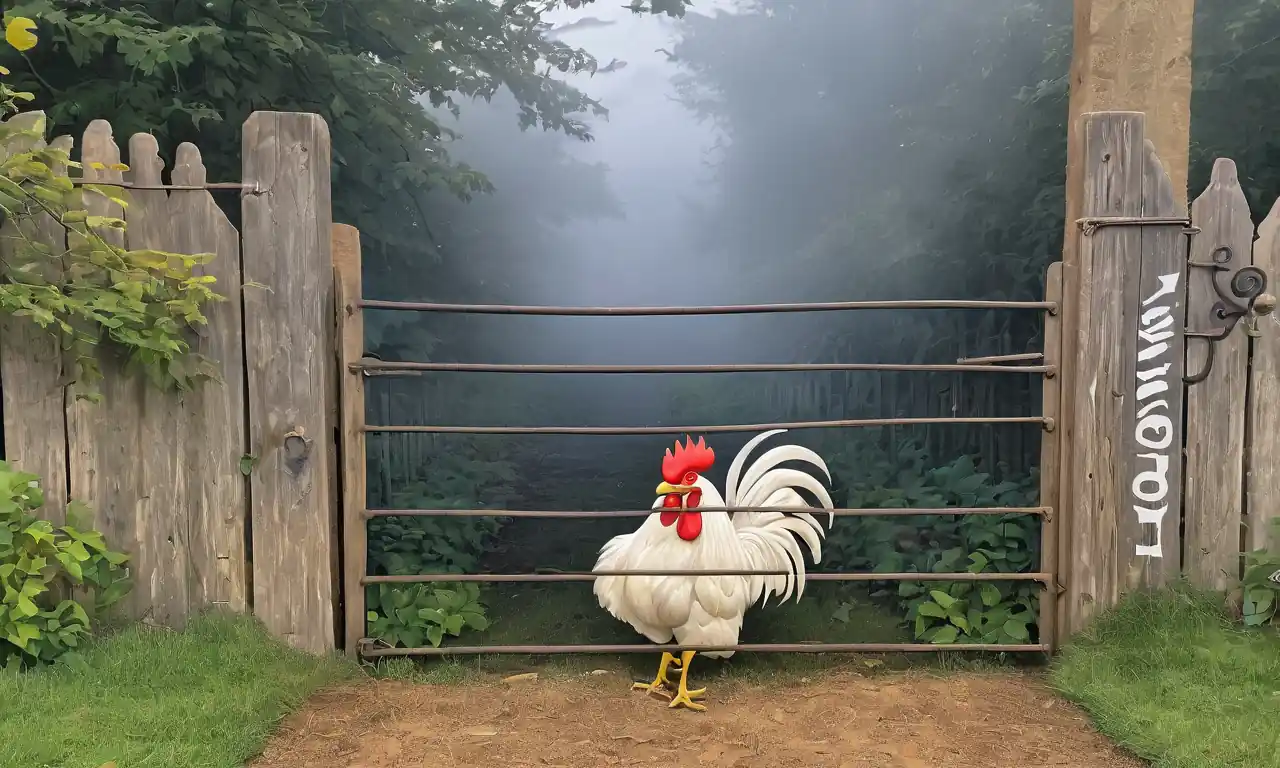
[{"x": 690, "y": 457}]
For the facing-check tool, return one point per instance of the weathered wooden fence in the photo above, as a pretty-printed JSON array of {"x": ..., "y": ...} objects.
[
  {"x": 1150, "y": 495},
  {"x": 224, "y": 496}
]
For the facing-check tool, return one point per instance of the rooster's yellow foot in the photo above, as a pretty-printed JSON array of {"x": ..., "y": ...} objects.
[
  {"x": 685, "y": 697},
  {"x": 660, "y": 681},
  {"x": 688, "y": 700}
]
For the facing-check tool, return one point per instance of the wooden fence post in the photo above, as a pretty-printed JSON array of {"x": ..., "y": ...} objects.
[
  {"x": 1262, "y": 484},
  {"x": 1215, "y": 406},
  {"x": 1096, "y": 468},
  {"x": 289, "y": 351},
  {"x": 1050, "y": 458},
  {"x": 346, "y": 267}
]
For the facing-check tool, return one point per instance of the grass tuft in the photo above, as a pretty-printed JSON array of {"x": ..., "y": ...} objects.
[
  {"x": 1170, "y": 677},
  {"x": 206, "y": 697}
]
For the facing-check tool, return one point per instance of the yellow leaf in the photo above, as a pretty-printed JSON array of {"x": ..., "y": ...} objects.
[
  {"x": 4, "y": 70},
  {"x": 97, "y": 166},
  {"x": 18, "y": 33},
  {"x": 119, "y": 167}
]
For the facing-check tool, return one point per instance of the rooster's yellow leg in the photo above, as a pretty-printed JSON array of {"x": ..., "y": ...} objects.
[
  {"x": 660, "y": 680},
  {"x": 685, "y": 697}
]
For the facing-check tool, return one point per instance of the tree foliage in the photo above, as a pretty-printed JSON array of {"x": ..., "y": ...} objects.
[
  {"x": 193, "y": 70},
  {"x": 64, "y": 266}
]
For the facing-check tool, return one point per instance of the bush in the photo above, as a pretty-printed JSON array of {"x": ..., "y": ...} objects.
[
  {"x": 943, "y": 612},
  {"x": 407, "y": 615},
  {"x": 1262, "y": 582},
  {"x": 48, "y": 574}
]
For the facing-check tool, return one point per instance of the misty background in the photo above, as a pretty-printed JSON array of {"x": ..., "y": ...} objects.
[{"x": 754, "y": 152}]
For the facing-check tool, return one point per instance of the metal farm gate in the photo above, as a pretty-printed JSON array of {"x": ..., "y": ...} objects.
[{"x": 355, "y": 515}]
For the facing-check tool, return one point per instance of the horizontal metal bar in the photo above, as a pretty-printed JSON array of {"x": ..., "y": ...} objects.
[
  {"x": 579, "y": 514},
  {"x": 369, "y": 649},
  {"x": 379, "y": 367},
  {"x": 176, "y": 187},
  {"x": 706, "y": 429},
  {"x": 505, "y": 578},
  {"x": 1090, "y": 224},
  {"x": 987, "y": 361},
  {"x": 733, "y": 309}
]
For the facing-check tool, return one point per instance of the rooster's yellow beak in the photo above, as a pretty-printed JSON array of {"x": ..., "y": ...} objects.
[{"x": 665, "y": 488}]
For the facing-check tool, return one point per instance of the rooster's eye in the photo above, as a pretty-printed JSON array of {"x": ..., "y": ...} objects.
[{"x": 690, "y": 478}]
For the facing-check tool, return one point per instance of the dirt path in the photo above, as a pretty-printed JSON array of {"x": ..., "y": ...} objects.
[{"x": 839, "y": 721}]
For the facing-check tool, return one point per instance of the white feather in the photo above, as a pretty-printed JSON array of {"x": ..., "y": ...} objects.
[{"x": 708, "y": 610}]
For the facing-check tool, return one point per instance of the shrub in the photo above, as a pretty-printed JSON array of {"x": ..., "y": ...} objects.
[
  {"x": 943, "y": 612},
  {"x": 1262, "y": 582},
  {"x": 48, "y": 575},
  {"x": 408, "y": 615}
]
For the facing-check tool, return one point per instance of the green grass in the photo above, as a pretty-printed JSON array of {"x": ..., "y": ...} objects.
[
  {"x": 206, "y": 697},
  {"x": 1170, "y": 677}
]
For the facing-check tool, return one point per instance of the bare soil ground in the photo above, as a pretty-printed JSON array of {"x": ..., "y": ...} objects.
[{"x": 840, "y": 720}]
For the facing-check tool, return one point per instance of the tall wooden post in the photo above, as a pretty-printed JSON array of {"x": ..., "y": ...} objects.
[
  {"x": 1132, "y": 55},
  {"x": 350, "y": 319},
  {"x": 289, "y": 356}
]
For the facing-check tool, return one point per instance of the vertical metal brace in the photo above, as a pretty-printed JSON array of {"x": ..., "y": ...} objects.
[{"x": 1240, "y": 297}]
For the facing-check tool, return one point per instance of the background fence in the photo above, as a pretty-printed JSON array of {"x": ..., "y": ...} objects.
[{"x": 224, "y": 496}]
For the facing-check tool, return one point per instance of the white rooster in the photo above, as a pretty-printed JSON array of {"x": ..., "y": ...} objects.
[{"x": 708, "y": 610}]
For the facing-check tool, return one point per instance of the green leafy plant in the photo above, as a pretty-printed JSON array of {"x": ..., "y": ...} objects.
[
  {"x": 48, "y": 574},
  {"x": 942, "y": 612},
  {"x": 410, "y": 615},
  {"x": 90, "y": 289},
  {"x": 1261, "y": 583}
]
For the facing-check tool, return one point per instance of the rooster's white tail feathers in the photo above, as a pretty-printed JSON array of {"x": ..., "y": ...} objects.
[{"x": 770, "y": 538}]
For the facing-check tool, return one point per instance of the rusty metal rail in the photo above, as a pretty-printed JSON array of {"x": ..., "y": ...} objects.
[
  {"x": 508, "y": 578},
  {"x": 709, "y": 429},
  {"x": 729, "y": 309},
  {"x": 370, "y": 648},
  {"x": 989, "y": 360},
  {"x": 977, "y": 365},
  {"x": 615, "y": 513}
]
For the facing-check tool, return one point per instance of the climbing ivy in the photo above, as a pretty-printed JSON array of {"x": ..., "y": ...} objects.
[{"x": 81, "y": 283}]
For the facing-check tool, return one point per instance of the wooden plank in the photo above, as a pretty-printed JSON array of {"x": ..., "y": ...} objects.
[
  {"x": 215, "y": 413},
  {"x": 1262, "y": 485},
  {"x": 1106, "y": 330},
  {"x": 111, "y": 481},
  {"x": 1215, "y": 407},
  {"x": 355, "y": 546},
  {"x": 289, "y": 352},
  {"x": 1050, "y": 465},
  {"x": 31, "y": 374},
  {"x": 160, "y": 512},
  {"x": 1150, "y": 540}
]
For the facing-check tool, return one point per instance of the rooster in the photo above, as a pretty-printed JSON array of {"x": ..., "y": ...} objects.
[{"x": 708, "y": 610}]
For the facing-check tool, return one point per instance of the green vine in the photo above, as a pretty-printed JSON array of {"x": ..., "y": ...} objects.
[{"x": 88, "y": 289}]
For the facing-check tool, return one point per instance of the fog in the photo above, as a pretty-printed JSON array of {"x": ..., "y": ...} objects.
[{"x": 753, "y": 152}]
